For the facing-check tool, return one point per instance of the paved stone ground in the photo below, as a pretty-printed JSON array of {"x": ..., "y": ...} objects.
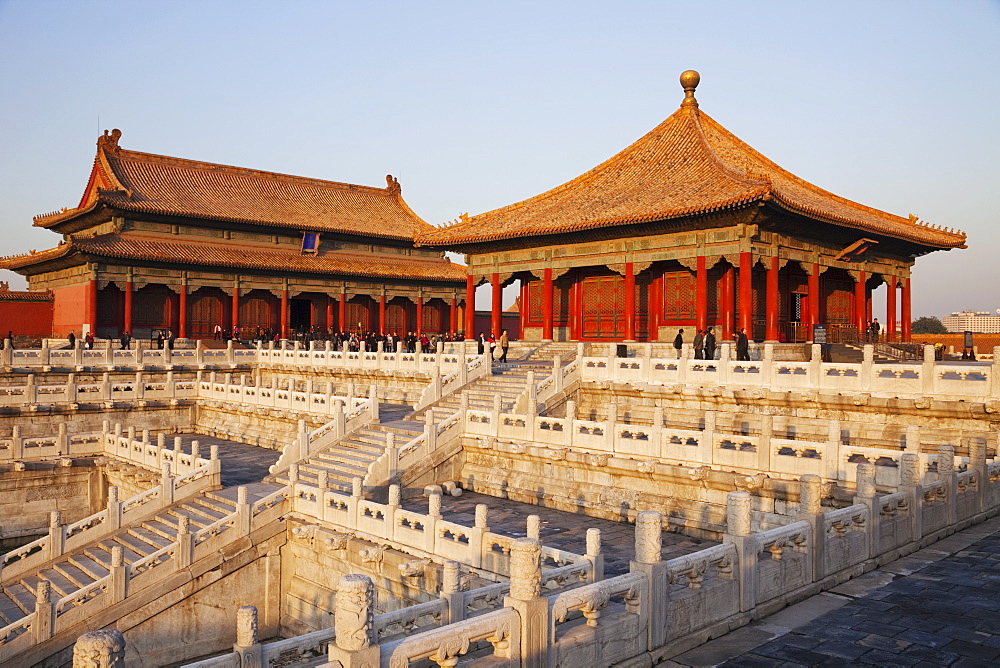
[
  {"x": 559, "y": 529},
  {"x": 939, "y": 606},
  {"x": 242, "y": 464}
]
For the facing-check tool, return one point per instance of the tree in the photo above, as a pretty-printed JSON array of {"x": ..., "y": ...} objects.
[{"x": 928, "y": 325}]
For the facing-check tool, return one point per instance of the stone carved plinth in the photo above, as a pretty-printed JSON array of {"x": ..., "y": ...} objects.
[
  {"x": 99, "y": 649},
  {"x": 354, "y": 617}
]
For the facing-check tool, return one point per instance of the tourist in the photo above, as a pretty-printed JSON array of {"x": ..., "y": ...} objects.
[
  {"x": 126, "y": 340},
  {"x": 742, "y": 346},
  {"x": 492, "y": 342},
  {"x": 90, "y": 340},
  {"x": 217, "y": 332},
  {"x": 481, "y": 344},
  {"x": 679, "y": 342},
  {"x": 72, "y": 340},
  {"x": 159, "y": 339},
  {"x": 699, "y": 345},
  {"x": 504, "y": 345},
  {"x": 876, "y": 329},
  {"x": 710, "y": 344},
  {"x": 236, "y": 333}
]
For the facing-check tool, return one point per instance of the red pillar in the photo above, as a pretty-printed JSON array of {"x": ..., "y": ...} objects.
[
  {"x": 329, "y": 312},
  {"x": 182, "y": 309},
  {"x": 655, "y": 307},
  {"x": 904, "y": 314},
  {"x": 284, "y": 314},
  {"x": 629, "y": 305},
  {"x": 522, "y": 306},
  {"x": 420, "y": 315},
  {"x": 547, "y": 304},
  {"x": 470, "y": 308},
  {"x": 701, "y": 295},
  {"x": 127, "y": 325},
  {"x": 236, "y": 310},
  {"x": 496, "y": 321},
  {"x": 575, "y": 311},
  {"x": 814, "y": 298},
  {"x": 771, "y": 320},
  {"x": 90, "y": 315},
  {"x": 746, "y": 293},
  {"x": 728, "y": 297},
  {"x": 381, "y": 313},
  {"x": 342, "y": 312},
  {"x": 860, "y": 307},
  {"x": 453, "y": 315},
  {"x": 890, "y": 309},
  {"x": 868, "y": 304}
]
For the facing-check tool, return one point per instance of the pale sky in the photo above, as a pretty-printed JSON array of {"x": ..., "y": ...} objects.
[{"x": 477, "y": 105}]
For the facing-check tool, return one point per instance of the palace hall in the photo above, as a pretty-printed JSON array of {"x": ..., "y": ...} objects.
[
  {"x": 691, "y": 227},
  {"x": 163, "y": 243}
]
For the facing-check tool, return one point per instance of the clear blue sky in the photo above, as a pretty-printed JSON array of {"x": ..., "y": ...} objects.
[{"x": 476, "y": 105}]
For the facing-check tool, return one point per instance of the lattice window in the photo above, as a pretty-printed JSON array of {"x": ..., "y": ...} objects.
[
  {"x": 679, "y": 295},
  {"x": 256, "y": 311},
  {"x": 204, "y": 313}
]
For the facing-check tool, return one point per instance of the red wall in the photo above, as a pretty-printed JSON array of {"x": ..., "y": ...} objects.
[
  {"x": 26, "y": 318},
  {"x": 71, "y": 308}
]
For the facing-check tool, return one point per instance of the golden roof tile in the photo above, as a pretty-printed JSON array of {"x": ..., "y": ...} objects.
[
  {"x": 687, "y": 165},
  {"x": 157, "y": 184}
]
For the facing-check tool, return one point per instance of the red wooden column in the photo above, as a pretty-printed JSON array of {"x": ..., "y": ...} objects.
[
  {"x": 236, "y": 309},
  {"x": 522, "y": 310},
  {"x": 183, "y": 309},
  {"x": 90, "y": 310},
  {"x": 496, "y": 321},
  {"x": 127, "y": 325},
  {"x": 547, "y": 304},
  {"x": 453, "y": 315},
  {"x": 329, "y": 312},
  {"x": 746, "y": 293},
  {"x": 470, "y": 308},
  {"x": 728, "y": 295},
  {"x": 890, "y": 309},
  {"x": 814, "y": 298},
  {"x": 576, "y": 310},
  {"x": 860, "y": 304},
  {"x": 655, "y": 307},
  {"x": 381, "y": 313},
  {"x": 771, "y": 319},
  {"x": 342, "y": 312},
  {"x": 418, "y": 328},
  {"x": 701, "y": 295},
  {"x": 284, "y": 314},
  {"x": 629, "y": 305},
  {"x": 904, "y": 313}
]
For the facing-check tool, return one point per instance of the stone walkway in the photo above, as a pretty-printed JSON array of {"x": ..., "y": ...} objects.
[
  {"x": 242, "y": 464},
  {"x": 559, "y": 529},
  {"x": 939, "y": 606}
]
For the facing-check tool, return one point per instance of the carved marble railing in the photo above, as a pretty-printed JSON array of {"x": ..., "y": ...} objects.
[
  {"x": 928, "y": 378},
  {"x": 277, "y": 396},
  {"x": 110, "y": 358},
  {"x": 321, "y": 355}
]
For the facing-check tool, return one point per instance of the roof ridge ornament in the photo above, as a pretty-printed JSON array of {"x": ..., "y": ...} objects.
[
  {"x": 392, "y": 184},
  {"x": 689, "y": 81},
  {"x": 110, "y": 142}
]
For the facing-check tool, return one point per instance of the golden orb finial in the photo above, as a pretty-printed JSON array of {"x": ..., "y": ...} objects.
[{"x": 689, "y": 81}]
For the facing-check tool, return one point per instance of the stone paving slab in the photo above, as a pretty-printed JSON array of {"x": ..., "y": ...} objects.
[
  {"x": 939, "y": 606},
  {"x": 241, "y": 463},
  {"x": 559, "y": 529}
]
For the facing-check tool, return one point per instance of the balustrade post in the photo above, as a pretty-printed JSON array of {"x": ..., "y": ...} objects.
[
  {"x": 118, "y": 572},
  {"x": 815, "y": 365},
  {"x": 199, "y": 353},
  {"x": 30, "y": 390},
  {"x": 611, "y": 426},
  {"x": 525, "y": 597},
  {"x": 114, "y": 509},
  {"x": 71, "y": 393},
  {"x": 595, "y": 555},
  {"x": 476, "y": 534},
  {"x": 534, "y": 527},
  {"x": 868, "y": 367},
  {"x": 451, "y": 591},
  {"x": 557, "y": 375},
  {"x": 913, "y": 438},
  {"x": 166, "y": 486},
  {"x": 16, "y": 443},
  {"x": 339, "y": 421},
  {"x": 57, "y": 535},
  {"x": 725, "y": 358},
  {"x": 106, "y": 386},
  {"x": 100, "y": 649},
  {"x": 832, "y": 462},
  {"x": 185, "y": 543},
  {"x": 78, "y": 355},
  {"x": 392, "y": 456},
  {"x": 303, "y": 440},
  {"x": 865, "y": 494},
  {"x": 946, "y": 472},
  {"x": 977, "y": 463},
  {"x": 910, "y": 482},
  {"x": 244, "y": 512},
  {"x": 356, "y": 645},
  {"x": 247, "y": 648},
  {"x": 62, "y": 440},
  {"x": 811, "y": 510},
  {"x": 230, "y": 352},
  {"x": 927, "y": 372},
  {"x": 44, "y": 623},
  {"x": 648, "y": 560},
  {"x": 430, "y": 430},
  {"x": 43, "y": 355},
  {"x": 739, "y": 506},
  {"x": 373, "y": 406},
  {"x": 767, "y": 365}
]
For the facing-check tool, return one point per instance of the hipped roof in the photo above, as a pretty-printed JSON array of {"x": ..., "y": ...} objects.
[{"x": 687, "y": 165}]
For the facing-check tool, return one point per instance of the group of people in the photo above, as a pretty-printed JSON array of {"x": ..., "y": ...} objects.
[
  {"x": 872, "y": 331},
  {"x": 491, "y": 343},
  {"x": 88, "y": 340},
  {"x": 705, "y": 344}
]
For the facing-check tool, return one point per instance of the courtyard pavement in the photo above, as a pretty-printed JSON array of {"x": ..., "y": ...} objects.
[
  {"x": 939, "y": 606},
  {"x": 242, "y": 464}
]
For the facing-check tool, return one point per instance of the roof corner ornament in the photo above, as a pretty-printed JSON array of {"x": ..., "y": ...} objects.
[
  {"x": 689, "y": 81},
  {"x": 392, "y": 184},
  {"x": 109, "y": 142}
]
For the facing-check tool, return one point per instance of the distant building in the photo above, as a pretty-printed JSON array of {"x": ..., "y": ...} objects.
[{"x": 973, "y": 321}]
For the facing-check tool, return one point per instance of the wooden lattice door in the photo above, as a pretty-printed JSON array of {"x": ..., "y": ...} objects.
[
  {"x": 603, "y": 307},
  {"x": 205, "y": 312}
]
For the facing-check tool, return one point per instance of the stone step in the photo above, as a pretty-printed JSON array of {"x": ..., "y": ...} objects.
[
  {"x": 61, "y": 584},
  {"x": 10, "y": 612},
  {"x": 346, "y": 456},
  {"x": 21, "y": 597},
  {"x": 73, "y": 573},
  {"x": 156, "y": 532}
]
